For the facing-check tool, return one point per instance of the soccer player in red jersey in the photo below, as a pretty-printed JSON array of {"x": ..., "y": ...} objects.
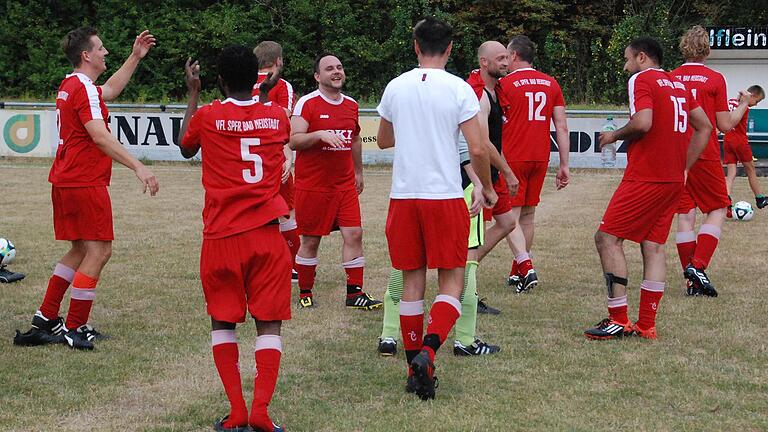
[
  {"x": 533, "y": 100},
  {"x": 643, "y": 206},
  {"x": 422, "y": 112},
  {"x": 244, "y": 261},
  {"x": 705, "y": 186},
  {"x": 736, "y": 148},
  {"x": 80, "y": 175},
  {"x": 270, "y": 55},
  {"x": 329, "y": 178}
]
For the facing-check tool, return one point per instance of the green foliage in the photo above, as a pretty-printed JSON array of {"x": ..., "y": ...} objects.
[{"x": 579, "y": 42}]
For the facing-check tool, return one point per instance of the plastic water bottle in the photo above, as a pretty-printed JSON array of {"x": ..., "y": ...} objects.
[
  {"x": 751, "y": 125},
  {"x": 609, "y": 150}
]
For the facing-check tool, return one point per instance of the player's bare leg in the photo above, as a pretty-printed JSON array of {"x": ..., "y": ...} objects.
[
  {"x": 353, "y": 262},
  {"x": 268, "y": 351},
  {"x": 754, "y": 184},
  {"x": 290, "y": 234},
  {"x": 504, "y": 225},
  {"x": 306, "y": 265},
  {"x": 526, "y": 221},
  {"x": 611, "y": 251},
  {"x": 523, "y": 277},
  {"x": 730, "y": 175},
  {"x": 651, "y": 289},
  {"x": 685, "y": 239}
]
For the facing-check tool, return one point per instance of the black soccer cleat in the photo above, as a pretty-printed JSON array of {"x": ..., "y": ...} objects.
[
  {"x": 483, "y": 308},
  {"x": 477, "y": 348},
  {"x": 529, "y": 282},
  {"x": 424, "y": 376},
  {"x": 513, "y": 281},
  {"x": 608, "y": 329},
  {"x": 294, "y": 276},
  {"x": 43, "y": 332},
  {"x": 691, "y": 290},
  {"x": 761, "y": 201},
  {"x": 700, "y": 281},
  {"x": 306, "y": 302},
  {"x": 363, "y": 301},
  {"x": 80, "y": 338},
  {"x": 387, "y": 347},
  {"x": 219, "y": 426}
]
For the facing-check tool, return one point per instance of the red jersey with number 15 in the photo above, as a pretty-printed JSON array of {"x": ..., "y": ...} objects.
[
  {"x": 709, "y": 89},
  {"x": 79, "y": 162},
  {"x": 281, "y": 94},
  {"x": 529, "y": 98},
  {"x": 242, "y": 146},
  {"x": 322, "y": 168},
  {"x": 659, "y": 155}
]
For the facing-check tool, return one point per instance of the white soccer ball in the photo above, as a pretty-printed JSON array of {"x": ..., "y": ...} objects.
[
  {"x": 7, "y": 251},
  {"x": 742, "y": 211}
]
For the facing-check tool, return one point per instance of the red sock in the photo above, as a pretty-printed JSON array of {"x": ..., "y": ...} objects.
[
  {"x": 412, "y": 327},
  {"x": 306, "y": 269},
  {"x": 514, "y": 271},
  {"x": 291, "y": 236},
  {"x": 686, "y": 246},
  {"x": 80, "y": 300},
  {"x": 57, "y": 287},
  {"x": 226, "y": 357},
  {"x": 354, "y": 269},
  {"x": 706, "y": 243},
  {"x": 650, "y": 296},
  {"x": 269, "y": 348},
  {"x": 617, "y": 309},
  {"x": 524, "y": 263},
  {"x": 443, "y": 315}
]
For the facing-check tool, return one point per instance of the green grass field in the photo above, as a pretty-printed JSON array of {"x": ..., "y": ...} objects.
[{"x": 707, "y": 371}]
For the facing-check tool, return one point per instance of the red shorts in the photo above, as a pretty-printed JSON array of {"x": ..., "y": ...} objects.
[
  {"x": 82, "y": 213},
  {"x": 641, "y": 211},
  {"x": 734, "y": 152},
  {"x": 319, "y": 213},
  {"x": 503, "y": 204},
  {"x": 287, "y": 191},
  {"x": 705, "y": 188},
  {"x": 250, "y": 270},
  {"x": 531, "y": 177},
  {"x": 431, "y": 233}
]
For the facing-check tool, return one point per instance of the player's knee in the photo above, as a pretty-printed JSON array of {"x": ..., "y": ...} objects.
[
  {"x": 101, "y": 251},
  {"x": 353, "y": 236},
  {"x": 604, "y": 241}
]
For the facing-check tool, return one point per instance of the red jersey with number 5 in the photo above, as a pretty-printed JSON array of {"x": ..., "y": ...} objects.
[
  {"x": 242, "y": 151},
  {"x": 79, "y": 162},
  {"x": 281, "y": 94},
  {"x": 529, "y": 98},
  {"x": 659, "y": 155},
  {"x": 709, "y": 89},
  {"x": 322, "y": 168}
]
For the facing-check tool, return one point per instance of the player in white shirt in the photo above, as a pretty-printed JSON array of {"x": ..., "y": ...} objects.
[{"x": 422, "y": 112}]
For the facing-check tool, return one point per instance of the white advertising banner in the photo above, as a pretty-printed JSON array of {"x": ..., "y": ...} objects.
[{"x": 153, "y": 136}]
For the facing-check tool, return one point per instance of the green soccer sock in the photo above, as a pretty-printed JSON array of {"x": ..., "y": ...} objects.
[
  {"x": 391, "y": 325},
  {"x": 467, "y": 322}
]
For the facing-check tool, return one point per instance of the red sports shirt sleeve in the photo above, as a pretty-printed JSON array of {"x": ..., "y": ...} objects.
[
  {"x": 191, "y": 139},
  {"x": 86, "y": 103},
  {"x": 640, "y": 95},
  {"x": 356, "y": 131},
  {"x": 305, "y": 111},
  {"x": 721, "y": 95}
]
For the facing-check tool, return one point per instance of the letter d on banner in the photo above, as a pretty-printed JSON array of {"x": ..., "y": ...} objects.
[{"x": 22, "y": 132}]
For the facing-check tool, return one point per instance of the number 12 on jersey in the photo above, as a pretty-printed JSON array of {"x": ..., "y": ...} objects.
[
  {"x": 534, "y": 113},
  {"x": 245, "y": 153},
  {"x": 681, "y": 116}
]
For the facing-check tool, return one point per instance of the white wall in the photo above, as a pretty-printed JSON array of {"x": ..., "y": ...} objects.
[{"x": 742, "y": 68}]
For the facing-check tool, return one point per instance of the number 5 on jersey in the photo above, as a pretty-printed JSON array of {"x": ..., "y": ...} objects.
[{"x": 257, "y": 174}]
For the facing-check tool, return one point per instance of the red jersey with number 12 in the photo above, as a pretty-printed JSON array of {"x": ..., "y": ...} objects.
[
  {"x": 79, "y": 162},
  {"x": 709, "y": 89},
  {"x": 322, "y": 168},
  {"x": 242, "y": 145},
  {"x": 659, "y": 155},
  {"x": 529, "y": 98}
]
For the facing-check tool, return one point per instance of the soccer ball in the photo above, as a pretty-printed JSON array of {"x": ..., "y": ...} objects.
[
  {"x": 7, "y": 252},
  {"x": 742, "y": 211}
]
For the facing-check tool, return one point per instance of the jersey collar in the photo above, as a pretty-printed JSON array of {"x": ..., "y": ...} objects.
[
  {"x": 80, "y": 75},
  {"x": 239, "y": 102}
]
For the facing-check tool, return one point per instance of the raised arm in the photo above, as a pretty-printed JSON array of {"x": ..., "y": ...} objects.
[
  {"x": 727, "y": 120},
  {"x": 117, "y": 82},
  {"x": 192, "y": 78}
]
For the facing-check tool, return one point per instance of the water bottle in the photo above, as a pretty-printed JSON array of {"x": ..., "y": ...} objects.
[
  {"x": 608, "y": 156},
  {"x": 751, "y": 125}
]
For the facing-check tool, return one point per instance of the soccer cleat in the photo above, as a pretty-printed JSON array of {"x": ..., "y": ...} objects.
[
  {"x": 608, "y": 329},
  {"x": 387, "y": 347},
  {"x": 483, "y": 308},
  {"x": 80, "y": 338},
  {"x": 363, "y": 301},
  {"x": 411, "y": 384},
  {"x": 513, "y": 281},
  {"x": 761, "y": 201},
  {"x": 646, "y": 334},
  {"x": 306, "y": 302},
  {"x": 529, "y": 282},
  {"x": 690, "y": 289},
  {"x": 294, "y": 276},
  {"x": 219, "y": 426},
  {"x": 477, "y": 348},
  {"x": 700, "y": 281},
  {"x": 424, "y": 376},
  {"x": 43, "y": 332}
]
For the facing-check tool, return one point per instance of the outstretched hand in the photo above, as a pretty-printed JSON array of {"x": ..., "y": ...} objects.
[
  {"x": 268, "y": 84},
  {"x": 192, "y": 75},
  {"x": 144, "y": 42}
]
